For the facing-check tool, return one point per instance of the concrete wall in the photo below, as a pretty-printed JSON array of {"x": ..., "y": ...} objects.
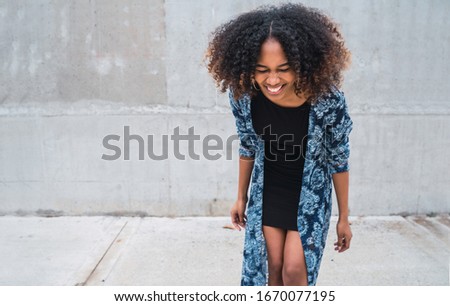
[{"x": 73, "y": 73}]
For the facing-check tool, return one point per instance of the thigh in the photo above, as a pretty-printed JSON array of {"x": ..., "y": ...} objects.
[
  {"x": 294, "y": 257},
  {"x": 275, "y": 238}
]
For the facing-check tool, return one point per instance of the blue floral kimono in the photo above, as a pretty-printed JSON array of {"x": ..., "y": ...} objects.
[{"x": 327, "y": 152}]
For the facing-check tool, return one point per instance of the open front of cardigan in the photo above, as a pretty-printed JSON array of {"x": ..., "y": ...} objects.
[{"x": 327, "y": 152}]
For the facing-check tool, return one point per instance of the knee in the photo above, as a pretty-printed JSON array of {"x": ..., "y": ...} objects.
[
  {"x": 275, "y": 267},
  {"x": 293, "y": 273}
]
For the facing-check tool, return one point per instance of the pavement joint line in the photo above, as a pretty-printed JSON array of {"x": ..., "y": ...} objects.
[
  {"x": 419, "y": 224},
  {"x": 104, "y": 254},
  {"x": 430, "y": 250}
]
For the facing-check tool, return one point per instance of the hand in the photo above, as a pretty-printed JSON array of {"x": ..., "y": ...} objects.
[
  {"x": 344, "y": 235},
  {"x": 238, "y": 217}
]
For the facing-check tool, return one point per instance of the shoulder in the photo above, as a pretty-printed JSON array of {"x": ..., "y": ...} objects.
[
  {"x": 334, "y": 98},
  {"x": 330, "y": 102},
  {"x": 239, "y": 103}
]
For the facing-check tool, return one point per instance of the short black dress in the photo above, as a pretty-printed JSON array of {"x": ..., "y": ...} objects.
[{"x": 284, "y": 131}]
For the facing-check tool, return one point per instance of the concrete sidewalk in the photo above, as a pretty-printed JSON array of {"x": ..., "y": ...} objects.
[{"x": 199, "y": 251}]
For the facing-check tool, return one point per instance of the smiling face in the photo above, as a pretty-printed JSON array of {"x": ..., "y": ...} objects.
[{"x": 274, "y": 75}]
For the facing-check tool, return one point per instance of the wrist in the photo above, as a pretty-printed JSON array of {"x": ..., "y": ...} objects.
[
  {"x": 242, "y": 198},
  {"x": 343, "y": 218}
]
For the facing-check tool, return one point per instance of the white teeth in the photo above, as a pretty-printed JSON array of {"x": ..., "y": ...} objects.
[{"x": 274, "y": 89}]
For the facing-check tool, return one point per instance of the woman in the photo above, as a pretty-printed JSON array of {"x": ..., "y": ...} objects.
[{"x": 283, "y": 67}]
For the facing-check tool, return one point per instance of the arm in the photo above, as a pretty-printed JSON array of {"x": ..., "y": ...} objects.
[
  {"x": 344, "y": 233},
  {"x": 246, "y": 161},
  {"x": 340, "y": 125},
  {"x": 237, "y": 212}
]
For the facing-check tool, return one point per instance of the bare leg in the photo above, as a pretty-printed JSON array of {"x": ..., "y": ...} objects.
[
  {"x": 294, "y": 267},
  {"x": 275, "y": 238}
]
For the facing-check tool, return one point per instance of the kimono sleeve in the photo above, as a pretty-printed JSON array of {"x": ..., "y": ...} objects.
[
  {"x": 338, "y": 130},
  {"x": 245, "y": 145}
]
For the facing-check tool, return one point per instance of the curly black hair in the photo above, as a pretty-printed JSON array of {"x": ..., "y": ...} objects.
[{"x": 311, "y": 41}]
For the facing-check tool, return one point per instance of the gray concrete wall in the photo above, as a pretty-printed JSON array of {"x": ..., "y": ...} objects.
[{"x": 75, "y": 72}]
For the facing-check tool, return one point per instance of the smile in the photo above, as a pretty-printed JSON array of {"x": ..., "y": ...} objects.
[{"x": 275, "y": 90}]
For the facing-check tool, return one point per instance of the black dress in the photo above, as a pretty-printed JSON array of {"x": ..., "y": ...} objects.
[{"x": 284, "y": 131}]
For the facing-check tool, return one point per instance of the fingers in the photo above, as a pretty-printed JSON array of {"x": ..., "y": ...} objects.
[
  {"x": 238, "y": 221},
  {"x": 242, "y": 220},
  {"x": 342, "y": 244},
  {"x": 347, "y": 242},
  {"x": 344, "y": 236}
]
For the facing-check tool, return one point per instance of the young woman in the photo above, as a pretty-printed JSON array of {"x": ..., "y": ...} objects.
[{"x": 283, "y": 67}]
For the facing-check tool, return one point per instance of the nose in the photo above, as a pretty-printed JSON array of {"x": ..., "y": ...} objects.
[{"x": 273, "y": 79}]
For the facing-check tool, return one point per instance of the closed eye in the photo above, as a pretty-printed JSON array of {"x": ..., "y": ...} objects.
[{"x": 279, "y": 70}]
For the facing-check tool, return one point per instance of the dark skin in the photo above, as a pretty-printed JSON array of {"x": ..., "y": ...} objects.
[
  {"x": 286, "y": 260},
  {"x": 344, "y": 233},
  {"x": 311, "y": 41},
  {"x": 340, "y": 181}
]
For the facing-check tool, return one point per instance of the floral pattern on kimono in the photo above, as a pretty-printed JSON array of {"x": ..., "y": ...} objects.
[{"x": 327, "y": 153}]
